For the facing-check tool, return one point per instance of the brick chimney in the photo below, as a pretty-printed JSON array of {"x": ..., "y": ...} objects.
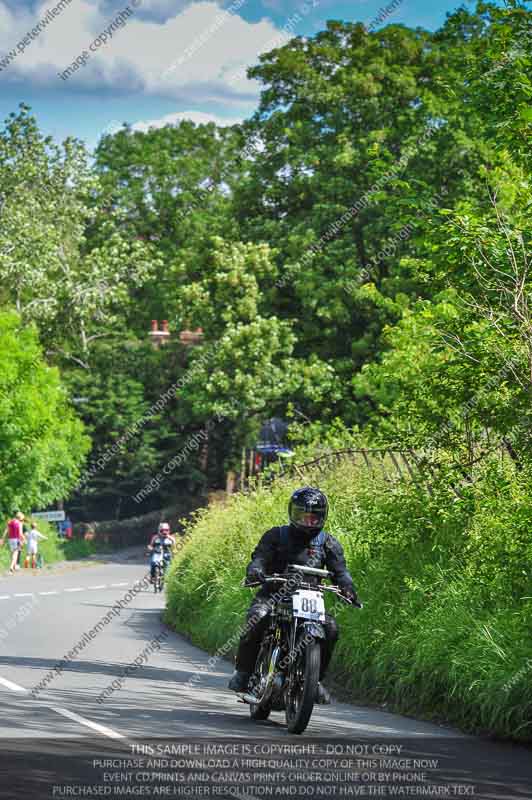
[
  {"x": 159, "y": 335},
  {"x": 191, "y": 337}
]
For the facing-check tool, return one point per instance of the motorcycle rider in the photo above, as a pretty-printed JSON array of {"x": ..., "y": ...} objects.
[
  {"x": 161, "y": 542},
  {"x": 302, "y": 542}
]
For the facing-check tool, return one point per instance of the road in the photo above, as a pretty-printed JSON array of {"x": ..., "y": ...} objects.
[{"x": 44, "y": 616}]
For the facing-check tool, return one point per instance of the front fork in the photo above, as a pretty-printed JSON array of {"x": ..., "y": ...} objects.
[{"x": 266, "y": 680}]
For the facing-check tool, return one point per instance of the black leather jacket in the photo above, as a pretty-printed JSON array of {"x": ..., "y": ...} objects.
[{"x": 273, "y": 555}]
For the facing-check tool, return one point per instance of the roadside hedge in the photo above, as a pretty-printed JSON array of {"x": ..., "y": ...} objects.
[{"x": 446, "y": 582}]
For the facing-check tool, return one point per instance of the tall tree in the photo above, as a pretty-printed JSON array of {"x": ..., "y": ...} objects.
[
  {"x": 251, "y": 370},
  {"x": 360, "y": 138},
  {"x": 42, "y": 442},
  {"x": 500, "y": 77},
  {"x": 172, "y": 185},
  {"x": 73, "y": 290}
]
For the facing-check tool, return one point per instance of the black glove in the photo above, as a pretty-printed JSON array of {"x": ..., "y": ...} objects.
[
  {"x": 350, "y": 595},
  {"x": 255, "y": 575}
]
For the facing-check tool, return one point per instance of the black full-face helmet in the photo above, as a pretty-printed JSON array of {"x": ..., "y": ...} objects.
[{"x": 308, "y": 509}]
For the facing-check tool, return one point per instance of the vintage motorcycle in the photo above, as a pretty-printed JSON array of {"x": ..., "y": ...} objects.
[
  {"x": 287, "y": 670},
  {"x": 161, "y": 557}
]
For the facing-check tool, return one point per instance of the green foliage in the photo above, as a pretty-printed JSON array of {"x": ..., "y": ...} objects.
[
  {"x": 456, "y": 374},
  {"x": 361, "y": 139},
  {"x": 170, "y": 188},
  {"x": 42, "y": 443},
  {"x": 49, "y": 272},
  {"x": 358, "y": 251},
  {"x": 436, "y": 636},
  {"x": 501, "y": 77},
  {"x": 297, "y": 239},
  {"x": 252, "y": 367},
  {"x": 135, "y": 406},
  {"x": 114, "y": 397}
]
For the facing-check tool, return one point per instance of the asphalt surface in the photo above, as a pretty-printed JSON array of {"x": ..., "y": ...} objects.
[{"x": 44, "y": 615}]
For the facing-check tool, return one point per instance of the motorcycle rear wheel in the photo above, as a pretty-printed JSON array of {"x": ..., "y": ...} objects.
[{"x": 302, "y": 693}]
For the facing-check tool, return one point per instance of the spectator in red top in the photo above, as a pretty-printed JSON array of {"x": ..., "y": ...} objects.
[{"x": 15, "y": 536}]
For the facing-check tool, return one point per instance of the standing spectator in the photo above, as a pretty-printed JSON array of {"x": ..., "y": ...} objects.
[
  {"x": 32, "y": 544},
  {"x": 16, "y": 538},
  {"x": 67, "y": 527}
]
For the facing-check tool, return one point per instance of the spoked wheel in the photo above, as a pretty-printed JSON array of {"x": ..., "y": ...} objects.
[
  {"x": 157, "y": 580},
  {"x": 260, "y": 711},
  {"x": 302, "y": 691}
]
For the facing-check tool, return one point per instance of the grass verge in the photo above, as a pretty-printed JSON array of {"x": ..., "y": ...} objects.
[
  {"x": 54, "y": 549},
  {"x": 446, "y": 583}
]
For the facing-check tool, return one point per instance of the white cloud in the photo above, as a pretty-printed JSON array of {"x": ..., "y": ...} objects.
[
  {"x": 161, "y": 9},
  {"x": 191, "y": 56},
  {"x": 199, "y": 117}
]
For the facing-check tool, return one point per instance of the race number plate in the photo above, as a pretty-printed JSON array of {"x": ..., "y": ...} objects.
[
  {"x": 308, "y": 605},
  {"x": 157, "y": 558}
]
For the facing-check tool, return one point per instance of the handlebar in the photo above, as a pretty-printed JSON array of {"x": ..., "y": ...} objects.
[
  {"x": 321, "y": 573},
  {"x": 282, "y": 579}
]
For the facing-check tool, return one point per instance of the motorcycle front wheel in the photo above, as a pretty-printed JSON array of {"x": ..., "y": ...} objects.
[
  {"x": 303, "y": 687},
  {"x": 157, "y": 580}
]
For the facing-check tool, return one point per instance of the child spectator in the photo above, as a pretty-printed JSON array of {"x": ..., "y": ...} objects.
[{"x": 32, "y": 545}]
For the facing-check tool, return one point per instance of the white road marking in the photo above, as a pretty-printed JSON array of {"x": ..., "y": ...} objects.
[
  {"x": 13, "y": 686},
  {"x": 88, "y": 723},
  {"x": 65, "y": 713},
  {"x": 75, "y": 589}
]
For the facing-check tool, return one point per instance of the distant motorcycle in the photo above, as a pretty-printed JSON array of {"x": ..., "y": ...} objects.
[
  {"x": 287, "y": 670},
  {"x": 161, "y": 556}
]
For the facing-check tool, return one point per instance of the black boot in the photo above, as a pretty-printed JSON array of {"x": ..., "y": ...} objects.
[
  {"x": 323, "y": 698},
  {"x": 239, "y": 681}
]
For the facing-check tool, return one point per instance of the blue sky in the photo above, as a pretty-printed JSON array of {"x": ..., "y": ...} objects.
[{"x": 158, "y": 60}]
